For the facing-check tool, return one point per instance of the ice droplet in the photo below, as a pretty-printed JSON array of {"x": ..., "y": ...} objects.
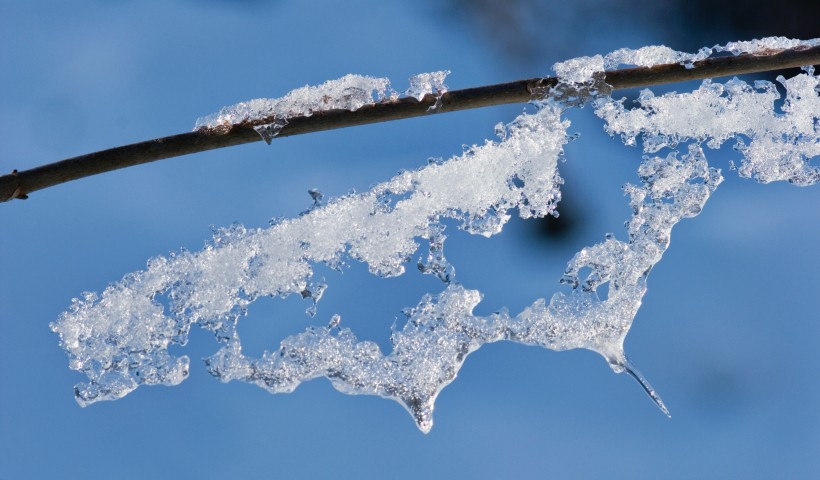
[
  {"x": 316, "y": 196},
  {"x": 435, "y": 263},
  {"x": 314, "y": 291},
  {"x": 270, "y": 130}
]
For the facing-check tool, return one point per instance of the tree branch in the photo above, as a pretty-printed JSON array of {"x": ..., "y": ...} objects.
[{"x": 20, "y": 184}]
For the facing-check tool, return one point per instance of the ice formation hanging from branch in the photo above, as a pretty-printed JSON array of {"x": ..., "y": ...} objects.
[{"x": 120, "y": 338}]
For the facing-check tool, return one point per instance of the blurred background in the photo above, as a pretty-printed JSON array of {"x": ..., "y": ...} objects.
[{"x": 728, "y": 332}]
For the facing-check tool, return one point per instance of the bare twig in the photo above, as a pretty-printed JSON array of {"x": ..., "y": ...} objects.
[{"x": 20, "y": 184}]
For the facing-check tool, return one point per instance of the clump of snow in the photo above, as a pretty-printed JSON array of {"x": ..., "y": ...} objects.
[
  {"x": 777, "y": 145},
  {"x": 350, "y": 92},
  {"x": 120, "y": 339},
  {"x": 652, "y": 55},
  {"x": 580, "y": 69},
  {"x": 765, "y": 45},
  {"x": 431, "y": 83}
]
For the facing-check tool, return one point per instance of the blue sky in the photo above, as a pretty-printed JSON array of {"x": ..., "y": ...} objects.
[{"x": 728, "y": 332}]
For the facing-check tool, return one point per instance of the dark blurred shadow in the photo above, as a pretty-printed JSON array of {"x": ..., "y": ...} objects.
[
  {"x": 721, "y": 394},
  {"x": 526, "y": 30},
  {"x": 703, "y": 22},
  {"x": 236, "y": 4},
  {"x": 563, "y": 229}
]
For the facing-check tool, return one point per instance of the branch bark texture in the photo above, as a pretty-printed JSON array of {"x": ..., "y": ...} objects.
[{"x": 20, "y": 184}]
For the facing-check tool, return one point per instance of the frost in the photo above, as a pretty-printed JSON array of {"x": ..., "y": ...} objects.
[{"x": 120, "y": 338}]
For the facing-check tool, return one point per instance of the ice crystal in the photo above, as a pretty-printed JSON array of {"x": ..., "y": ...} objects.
[{"x": 120, "y": 339}]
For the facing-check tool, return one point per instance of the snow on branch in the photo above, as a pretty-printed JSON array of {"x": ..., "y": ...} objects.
[
  {"x": 275, "y": 119},
  {"x": 120, "y": 338}
]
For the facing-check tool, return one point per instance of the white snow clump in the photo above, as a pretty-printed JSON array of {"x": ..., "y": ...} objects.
[{"x": 350, "y": 92}]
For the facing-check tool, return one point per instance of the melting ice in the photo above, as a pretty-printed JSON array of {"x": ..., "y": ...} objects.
[{"x": 120, "y": 338}]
